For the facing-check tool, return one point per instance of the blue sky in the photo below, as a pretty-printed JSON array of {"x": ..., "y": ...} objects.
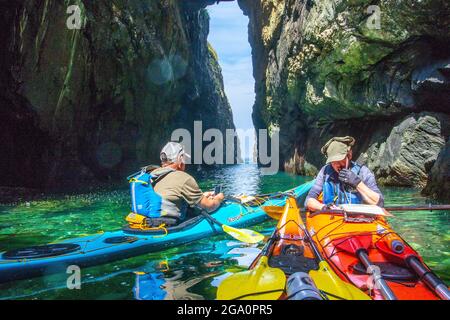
[{"x": 229, "y": 36}]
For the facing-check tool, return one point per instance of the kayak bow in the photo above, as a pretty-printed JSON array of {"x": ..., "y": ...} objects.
[{"x": 289, "y": 252}]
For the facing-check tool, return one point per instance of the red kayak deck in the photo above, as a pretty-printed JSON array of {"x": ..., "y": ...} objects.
[{"x": 332, "y": 233}]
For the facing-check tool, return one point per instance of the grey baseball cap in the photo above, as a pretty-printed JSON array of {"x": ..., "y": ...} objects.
[
  {"x": 172, "y": 151},
  {"x": 337, "y": 148}
]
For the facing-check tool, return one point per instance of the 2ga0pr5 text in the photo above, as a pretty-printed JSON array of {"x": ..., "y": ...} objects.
[{"x": 251, "y": 309}]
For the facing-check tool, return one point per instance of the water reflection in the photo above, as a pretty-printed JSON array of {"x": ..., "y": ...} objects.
[
  {"x": 244, "y": 256},
  {"x": 154, "y": 286},
  {"x": 244, "y": 178},
  {"x": 192, "y": 276}
]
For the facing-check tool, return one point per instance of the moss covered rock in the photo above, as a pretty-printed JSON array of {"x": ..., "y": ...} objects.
[
  {"x": 95, "y": 103},
  {"x": 320, "y": 65}
]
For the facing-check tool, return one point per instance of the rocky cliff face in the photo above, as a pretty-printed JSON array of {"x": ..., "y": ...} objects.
[
  {"x": 91, "y": 104},
  {"x": 380, "y": 73}
]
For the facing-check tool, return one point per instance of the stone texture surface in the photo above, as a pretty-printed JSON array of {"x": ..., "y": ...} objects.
[
  {"x": 322, "y": 69},
  {"x": 410, "y": 150},
  {"x": 438, "y": 185},
  {"x": 90, "y": 105}
]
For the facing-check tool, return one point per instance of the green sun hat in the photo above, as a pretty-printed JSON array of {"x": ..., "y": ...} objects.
[{"x": 336, "y": 148}]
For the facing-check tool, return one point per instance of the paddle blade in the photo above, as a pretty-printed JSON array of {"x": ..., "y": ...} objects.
[
  {"x": 327, "y": 281},
  {"x": 243, "y": 235},
  {"x": 352, "y": 244},
  {"x": 260, "y": 283},
  {"x": 275, "y": 212}
]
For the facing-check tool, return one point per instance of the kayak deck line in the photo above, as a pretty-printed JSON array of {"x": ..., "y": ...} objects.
[
  {"x": 352, "y": 247},
  {"x": 288, "y": 267}
]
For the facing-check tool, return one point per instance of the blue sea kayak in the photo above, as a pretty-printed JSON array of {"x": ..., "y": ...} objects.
[{"x": 111, "y": 246}]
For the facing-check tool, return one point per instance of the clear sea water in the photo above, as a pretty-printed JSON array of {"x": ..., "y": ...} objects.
[{"x": 191, "y": 271}]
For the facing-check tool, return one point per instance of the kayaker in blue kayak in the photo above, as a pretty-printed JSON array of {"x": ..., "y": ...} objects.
[
  {"x": 164, "y": 195},
  {"x": 341, "y": 180}
]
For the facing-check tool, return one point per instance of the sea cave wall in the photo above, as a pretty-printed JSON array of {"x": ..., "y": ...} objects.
[
  {"x": 88, "y": 101},
  {"x": 376, "y": 70}
]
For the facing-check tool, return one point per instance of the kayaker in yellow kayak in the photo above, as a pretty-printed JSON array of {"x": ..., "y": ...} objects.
[
  {"x": 342, "y": 180},
  {"x": 171, "y": 192}
]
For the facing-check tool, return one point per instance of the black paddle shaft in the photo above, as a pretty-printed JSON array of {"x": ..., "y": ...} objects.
[
  {"x": 266, "y": 249},
  {"x": 427, "y": 276},
  {"x": 429, "y": 207},
  {"x": 210, "y": 218},
  {"x": 312, "y": 244}
]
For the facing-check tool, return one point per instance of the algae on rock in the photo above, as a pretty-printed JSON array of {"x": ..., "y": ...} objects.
[
  {"x": 100, "y": 101},
  {"x": 324, "y": 67}
]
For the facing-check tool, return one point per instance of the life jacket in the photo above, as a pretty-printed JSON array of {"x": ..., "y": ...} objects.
[
  {"x": 336, "y": 192},
  {"x": 145, "y": 200}
]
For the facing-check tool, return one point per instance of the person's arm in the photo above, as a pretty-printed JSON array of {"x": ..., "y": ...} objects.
[
  {"x": 311, "y": 202},
  {"x": 314, "y": 204},
  {"x": 369, "y": 196},
  {"x": 369, "y": 190},
  {"x": 209, "y": 202},
  {"x": 194, "y": 196}
]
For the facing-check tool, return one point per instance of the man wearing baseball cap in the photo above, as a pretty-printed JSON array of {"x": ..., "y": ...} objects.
[
  {"x": 178, "y": 187},
  {"x": 342, "y": 180}
]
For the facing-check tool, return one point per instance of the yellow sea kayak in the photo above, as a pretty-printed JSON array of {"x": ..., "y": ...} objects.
[{"x": 288, "y": 267}]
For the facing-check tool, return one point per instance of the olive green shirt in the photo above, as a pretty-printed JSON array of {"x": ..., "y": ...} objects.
[{"x": 179, "y": 188}]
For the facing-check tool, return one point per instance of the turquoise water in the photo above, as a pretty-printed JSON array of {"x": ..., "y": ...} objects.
[{"x": 191, "y": 271}]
